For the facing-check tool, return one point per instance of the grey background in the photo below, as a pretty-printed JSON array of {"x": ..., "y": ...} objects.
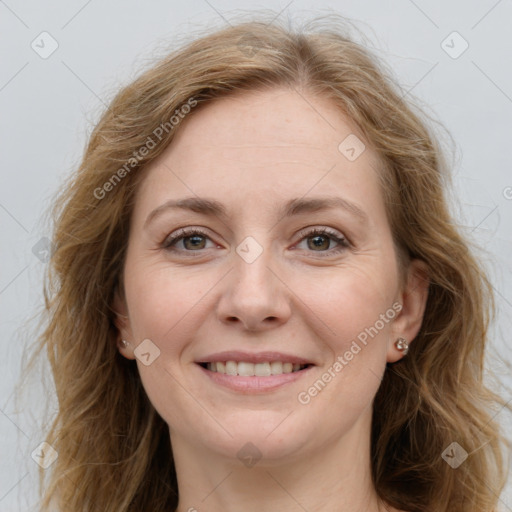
[{"x": 48, "y": 107}]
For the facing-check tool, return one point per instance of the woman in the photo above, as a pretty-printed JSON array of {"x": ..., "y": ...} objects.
[{"x": 259, "y": 300}]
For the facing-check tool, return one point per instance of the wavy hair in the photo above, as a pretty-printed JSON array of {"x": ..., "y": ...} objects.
[{"x": 114, "y": 449}]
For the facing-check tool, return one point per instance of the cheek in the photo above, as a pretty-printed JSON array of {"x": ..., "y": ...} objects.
[
  {"x": 357, "y": 306},
  {"x": 351, "y": 299},
  {"x": 164, "y": 305},
  {"x": 161, "y": 299}
]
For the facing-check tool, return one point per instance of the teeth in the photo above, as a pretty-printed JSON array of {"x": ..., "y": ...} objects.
[
  {"x": 276, "y": 367},
  {"x": 231, "y": 368},
  {"x": 262, "y": 369},
  {"x": 245, "y": 369}
]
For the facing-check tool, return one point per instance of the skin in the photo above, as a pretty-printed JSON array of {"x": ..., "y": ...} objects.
[{"x": 253, "y": 152}]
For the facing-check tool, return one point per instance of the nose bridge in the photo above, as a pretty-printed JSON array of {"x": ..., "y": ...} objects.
[
  {"x": 253, "y": 277},
  {"x": 254, "y": 296}
]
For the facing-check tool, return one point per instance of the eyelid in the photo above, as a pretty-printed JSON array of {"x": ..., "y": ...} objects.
[
  {"x": 323, "y": 230},
  {"x": 184, "y": 232}
]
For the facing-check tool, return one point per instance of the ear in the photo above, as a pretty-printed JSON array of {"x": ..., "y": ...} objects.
[
  {"x": 122, "y": 322},
  {"x": 413, "y": 298}
]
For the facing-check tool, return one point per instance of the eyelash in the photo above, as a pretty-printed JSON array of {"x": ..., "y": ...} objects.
[{"x": 183, "y": 233}]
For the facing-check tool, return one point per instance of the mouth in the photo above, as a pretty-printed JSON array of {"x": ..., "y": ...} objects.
[
  {"x": 263, "y": 373},
  {"x": 248, "y": 369}
]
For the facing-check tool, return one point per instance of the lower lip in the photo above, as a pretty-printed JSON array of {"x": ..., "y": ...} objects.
[{"x": 254, "y": 384}]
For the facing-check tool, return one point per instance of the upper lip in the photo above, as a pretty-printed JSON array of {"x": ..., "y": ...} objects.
[{"x": 252, "y": 357}]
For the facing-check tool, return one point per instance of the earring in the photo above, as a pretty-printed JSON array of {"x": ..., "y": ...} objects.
[
  {"x": 123, "y": 343},
  {"x": 401, "y": 344}
]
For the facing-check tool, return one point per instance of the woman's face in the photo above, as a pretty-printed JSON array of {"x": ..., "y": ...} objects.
[{"x": 260, "y": 236}]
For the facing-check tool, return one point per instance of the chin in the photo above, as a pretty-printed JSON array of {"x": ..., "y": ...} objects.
[{"x": 271, "y": 437}]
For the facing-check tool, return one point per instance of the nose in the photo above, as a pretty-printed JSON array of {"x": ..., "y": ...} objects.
[{"x": 254, "y": 295}]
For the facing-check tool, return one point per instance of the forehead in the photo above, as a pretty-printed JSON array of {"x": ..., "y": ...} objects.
[{"x": 261, "y": 146}]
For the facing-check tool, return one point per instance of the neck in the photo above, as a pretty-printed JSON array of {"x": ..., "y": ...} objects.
[{"x": 336, "y": 478}]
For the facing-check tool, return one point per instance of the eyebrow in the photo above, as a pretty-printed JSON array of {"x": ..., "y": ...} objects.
[{"x": 213, "y": 208}]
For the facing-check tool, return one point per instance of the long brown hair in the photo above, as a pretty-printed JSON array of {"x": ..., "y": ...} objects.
[{"x": 114, "y": 451}]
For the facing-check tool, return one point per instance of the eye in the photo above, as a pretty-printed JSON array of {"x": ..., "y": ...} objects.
[
  {"x": 322, "y": 239},
  {"x": 191, "y": 239}
]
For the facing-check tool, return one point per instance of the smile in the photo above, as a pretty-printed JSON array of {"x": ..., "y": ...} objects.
[
  {"x": 247, "y": 369},
  {"x": 244, "y": 379}
]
